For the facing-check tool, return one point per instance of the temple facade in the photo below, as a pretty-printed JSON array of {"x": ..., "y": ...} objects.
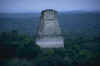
[{"x": 49, "y": 32}]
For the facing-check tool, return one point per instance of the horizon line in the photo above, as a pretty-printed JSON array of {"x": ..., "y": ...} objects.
[{"x": 56, "y": 10}]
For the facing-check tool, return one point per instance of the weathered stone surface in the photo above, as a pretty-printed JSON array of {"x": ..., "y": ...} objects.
[{"x": 49, "y": 32}]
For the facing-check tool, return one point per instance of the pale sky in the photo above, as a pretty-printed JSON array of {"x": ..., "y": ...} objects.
[{"x": 38, "y": 5}]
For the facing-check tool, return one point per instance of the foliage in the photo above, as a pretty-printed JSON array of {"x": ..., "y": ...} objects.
[{"x": 21, "y": 50}]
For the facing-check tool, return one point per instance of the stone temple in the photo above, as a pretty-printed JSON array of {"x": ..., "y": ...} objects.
[{"x": 49, "y": 32}]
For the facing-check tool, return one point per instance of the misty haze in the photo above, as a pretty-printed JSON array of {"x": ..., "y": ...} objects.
[{"x": 77, "y": 45}]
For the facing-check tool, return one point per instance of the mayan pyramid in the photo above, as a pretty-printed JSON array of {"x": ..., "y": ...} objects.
[{"x": 49, "y": 32}]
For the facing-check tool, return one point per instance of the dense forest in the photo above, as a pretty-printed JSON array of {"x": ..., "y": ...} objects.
[
  {"x": 81, "y": 32},
  {"x": 20, "y": 50}
]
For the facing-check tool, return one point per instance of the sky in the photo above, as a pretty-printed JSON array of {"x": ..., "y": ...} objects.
[{"x": 13, "y": 6}]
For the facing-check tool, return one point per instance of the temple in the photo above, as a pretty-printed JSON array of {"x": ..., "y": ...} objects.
[{"x": 49, "y": 32}]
